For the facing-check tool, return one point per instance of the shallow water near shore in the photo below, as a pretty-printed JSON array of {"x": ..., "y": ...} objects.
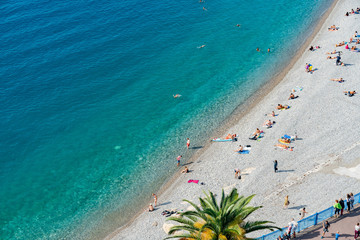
[{"x": 89, "y": 126}]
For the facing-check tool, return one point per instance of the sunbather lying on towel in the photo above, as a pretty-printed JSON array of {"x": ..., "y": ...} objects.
[
  {"x": 333, "y": 52},
  {"x": 337, "y": 80},
  {"x": 279, "y": 107},
  {"x": 340, "y": 44},
  {"x": 350, "y": 93},
  {"x": 256, "y": 134},
  {"x": 268, "y": 123}
]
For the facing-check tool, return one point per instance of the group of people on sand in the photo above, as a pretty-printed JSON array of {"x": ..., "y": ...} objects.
[
  {"x": 333, "y": 28},
  {"x": 312, "y": 48},
  {"x": 353, "y": 12}
]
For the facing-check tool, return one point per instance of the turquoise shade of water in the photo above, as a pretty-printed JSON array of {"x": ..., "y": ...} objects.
[{"x": 88, "y": 124}]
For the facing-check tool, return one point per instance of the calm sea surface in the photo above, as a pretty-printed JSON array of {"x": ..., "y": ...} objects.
[{"x": 88, "y": 124}]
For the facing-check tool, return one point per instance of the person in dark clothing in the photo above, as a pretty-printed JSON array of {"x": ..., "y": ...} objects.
[
  {"x": 275, "y": 166},
  {"x": 342, "y": 204},
  {"x": 338, "y": 58}
]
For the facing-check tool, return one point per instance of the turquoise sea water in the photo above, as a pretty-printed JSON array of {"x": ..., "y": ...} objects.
[{"x": 88, "y": 124}]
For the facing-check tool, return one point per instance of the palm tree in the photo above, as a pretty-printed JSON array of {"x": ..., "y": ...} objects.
[{"x": 211, "y": 221}]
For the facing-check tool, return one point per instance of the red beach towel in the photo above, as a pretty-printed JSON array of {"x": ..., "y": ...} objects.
[{"x": 194, "y": 181}]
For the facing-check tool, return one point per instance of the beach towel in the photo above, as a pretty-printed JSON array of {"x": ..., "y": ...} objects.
[
  {"x": 193, "y": 181},
  {"x": 222, "y": 140},
  {"x": 244, "y": 152}
]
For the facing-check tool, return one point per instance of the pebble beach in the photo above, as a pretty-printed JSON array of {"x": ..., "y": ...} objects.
[{"x": 324, "y": 162}]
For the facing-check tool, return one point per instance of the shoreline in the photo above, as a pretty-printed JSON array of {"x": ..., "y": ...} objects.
[
  {"x": 237, "y": 114},
  {"x": 240, "y": 113}
]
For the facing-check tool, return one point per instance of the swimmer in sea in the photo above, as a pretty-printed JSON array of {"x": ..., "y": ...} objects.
[
  {"x": 176, "y": 95},
  {"x": 204, "y": 9},
  {"x": 258, "y": 49},
  {"x": 268, "y": 49},
  {"x": 238, "y": 25},
  {"x": 202, "y": 46}
]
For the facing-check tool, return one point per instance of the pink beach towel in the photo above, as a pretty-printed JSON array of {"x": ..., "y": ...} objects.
[{"x": 194, "y": 181}]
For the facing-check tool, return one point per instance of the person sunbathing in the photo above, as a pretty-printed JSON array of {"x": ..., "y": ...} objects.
[
  {"x": 229, "y": 136},
  {"x": 240, "y": 149},
  {"x": 292, "y": 96},
  {"x": 340, "y": 44},
  {"x": 186, "y": 170},
  {"x": 358, "y": 41},
  {"x": 279, "y": 106},
  {"x": 353, "y": 48},
  {"x": 337, "y": 80},
  {"x": 268, "y": 123},
  {"x": 350, "y": 93},
  {"x": 333, "y": 52},
  {"x": 256, "y": 134},
  {"x": 330, "y": 57},
  {"x": 333, "y": 28},
  {"x": 287, "y": 140}
]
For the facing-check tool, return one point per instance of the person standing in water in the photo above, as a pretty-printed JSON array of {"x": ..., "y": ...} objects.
[
  {"x": 187, "y": 143},
  {"x": 268, "y": 49}
]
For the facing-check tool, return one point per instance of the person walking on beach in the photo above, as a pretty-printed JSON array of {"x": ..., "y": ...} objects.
[
  {"x": 348, "y": 200},
  {"x": 337, "y": 208},
  {"x": 275, "y": 166},
  {"x": 357, "y": 231},
  {"x": 178, "y": 160},
  {"x": 187, "y": 143},
  {"x": 237, "y": 173},
  {"x": 286, "y": 202},
  {"x": 342, "y": 204},
  {"x": 155, "y": 199},
  {"x": 302, "y": 213},
  {"x": 326, "y": 226}
]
